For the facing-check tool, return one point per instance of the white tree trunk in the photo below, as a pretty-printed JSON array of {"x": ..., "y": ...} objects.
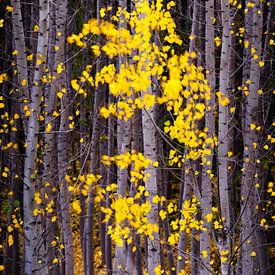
[
  {"x": 250, "y": 156},
  {"x": 206, "y": 185},
  {"x": 31, "y": 238},
  {"x": 223, "y": 138}
]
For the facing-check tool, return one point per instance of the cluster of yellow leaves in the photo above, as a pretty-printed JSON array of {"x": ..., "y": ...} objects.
[
  {"x": 137, "y": 161},
  {"x": 183, "y": 86},
  {"x": 81, "y": 185},
  {"x": 187, "y": 222},
  {"x": 130, "y": 215}
]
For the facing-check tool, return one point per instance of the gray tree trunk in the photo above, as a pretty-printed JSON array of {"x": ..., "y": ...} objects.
[
  {"x": 206, "y": 185},
  {"x": 224, "y": 238},
  {"x": 248, "y": 263},
  {"x": 20, "y": 46},
  {"x": 63, "y": 150},
  {"x": 31, "y": 254}
]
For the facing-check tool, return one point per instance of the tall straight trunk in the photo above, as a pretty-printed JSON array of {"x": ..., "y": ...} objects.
[
  {"x": 63, "y": 163},
  {"x": 12, "y": 259},
  {"x": 110, "y": 180},
  {"x": 21, "y": 61},
  {"x": 63, "y": 150},
  {"x": 123, "y": 146},
  {"x": 224, "y": 186},
  {"x": 206, "y": 184},
  {"x": 136, "y": 145},
  {"x": 103, "y": 150},
  {"x": 189, "y": 185},
  {"x": 195, "y": 27},
  {"x": 150, "y": 152},
  {"x": 89, "y": 223},
  {"x": 162, "y": 181},
  {"x": 149, "y": 147},
  {"x": 183, "y": 239},
  {"x": 50, "y": 152},
  {"x": 250, "y": 156},
  {"x": 231, "y": 116},
  {"x": 30, "y": 262},
  {"x": 83, "y": 128},
  {"x": 248, "y": 21}
]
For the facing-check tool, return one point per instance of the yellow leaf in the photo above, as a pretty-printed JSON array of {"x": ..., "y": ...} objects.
[
  {"x": 10, "y": 240},
  {"x": 35, "y": 212},
  {"x": 232, "y": 110},
  {"x": 162, "y": 214},
  {"x": 10, "y": 229},
  {"x": 36, "y": 28},
  {"x": 246, "y": 44},
  {"x": 24, "y": 82},
  {"x": 253, "y": 254},
  {"x": 252, "y": 126},
  {"x": 266, "y": 147},
  {"x": 49, "y": 127},
  {"x": 76, "y": 207},
  {"x": 2, "y": 267},
  {"x": 4, "y": 175},
  {"x": 30, "y": 57},
  {"x": 102, "y": 12},
  {"x": 217, "y": 41},
  {"x": 60, "y": 68},
  {"x": 156, "y": 199},
  {"x": 204, "y": 254},
  {"x": 55, "y": 261},
  {"x": 9, "y": 8}
]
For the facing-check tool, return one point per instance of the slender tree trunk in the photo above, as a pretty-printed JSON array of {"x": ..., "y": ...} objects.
[
  {"x": 31, "y": 151},
  {"x": 206, "y": 185},
  {"x": 223, "y": 138},
  {"x": 149, "y": 145},
  {"x": 20, "y": 46},
  {"x": 84, "y": 127},
  {"x": 63, "y": 140},
  {"x": 123, "y": 146},
  {"x": 183, "y": 239},
  {"x": 89, "y": 225},
  {"x": 50, "y": 152},
  {"x": 250, "y": 152}
]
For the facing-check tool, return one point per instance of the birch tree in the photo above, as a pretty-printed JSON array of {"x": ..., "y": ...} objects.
[
  {"x": 251, "y": 152},
  {"x": 206, "y": 185},
  {"x": 223, "y": 139},
  {"x": 31, "y": 238}
]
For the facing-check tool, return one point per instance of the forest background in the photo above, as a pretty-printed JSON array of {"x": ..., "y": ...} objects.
[{"x": 137, "y": 137}]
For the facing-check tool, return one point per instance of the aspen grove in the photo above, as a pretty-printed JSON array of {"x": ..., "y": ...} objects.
[{"x": 137, "y": 137}]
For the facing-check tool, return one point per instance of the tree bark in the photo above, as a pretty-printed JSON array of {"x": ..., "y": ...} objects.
[
  {"x": 224, "y": 238},
  {"x": 206, "y": 184},
  {"x": 250, "y": 156}
]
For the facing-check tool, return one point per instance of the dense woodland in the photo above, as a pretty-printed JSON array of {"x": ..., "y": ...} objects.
[{"x": 137, "y": 137}]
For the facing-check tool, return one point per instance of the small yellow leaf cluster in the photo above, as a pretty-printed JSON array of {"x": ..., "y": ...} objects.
[
  {"x": 137, "y": 161},
  {"x": 3, "y": 77},
  {"x": 189, "y": 220},
  {"x": 130, "y": 218}
]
